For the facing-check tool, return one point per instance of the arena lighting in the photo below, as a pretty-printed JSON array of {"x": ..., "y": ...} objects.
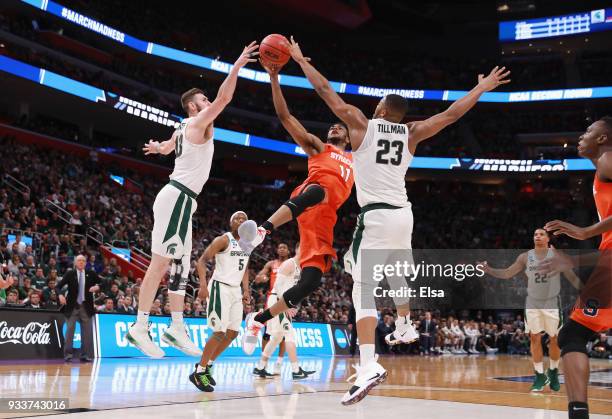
[
  {"x": 301, "y": 82},
  {"x": 158, "y": 116},
  {"x": 554, "y": 26}
]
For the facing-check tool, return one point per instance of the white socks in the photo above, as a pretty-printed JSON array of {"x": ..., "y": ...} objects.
[
  {"x": 539, "y": 367},
  {"x": 262, "y": 364},
  {"x": 177, "y": 318},
  {"x": 554, "y": 364},
  {"x": 143, "y": 318},
  {"x": 295, "y": 367},
  {"x": 366, "y": 354}
]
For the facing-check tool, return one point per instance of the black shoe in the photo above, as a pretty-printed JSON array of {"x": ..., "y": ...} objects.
[
  {"x": 68, "y": 358},
  {"x": 86, "y": 359},
  {"x": 301, "y": 374},
  {"x": 208, "y": 372},
  {"x": 262, "y": 373},
  {"x": 200, "y": 380}
]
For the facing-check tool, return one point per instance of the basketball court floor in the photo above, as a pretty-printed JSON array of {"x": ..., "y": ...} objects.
[{"x": 474, "y": 387}]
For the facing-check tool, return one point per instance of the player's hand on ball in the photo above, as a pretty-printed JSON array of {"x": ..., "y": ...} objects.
[
  {"x": 271, "y": 69},
  {"x": 496, "y": 77},
  {"x": 247, "y": 55},
  {"x": 152, "y": 147},
  {"x": 203, "y": 293},
  {"x": 296, "y": 52},
  {"x": 558, "y": 227}
]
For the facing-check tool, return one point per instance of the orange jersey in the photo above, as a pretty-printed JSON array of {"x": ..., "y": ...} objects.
[
  {"x": 273, "y": 272},
  {"x": 602, "y": 192},
  {"x": 593, "y": 309},
  {"x": 332, "y": 169}
]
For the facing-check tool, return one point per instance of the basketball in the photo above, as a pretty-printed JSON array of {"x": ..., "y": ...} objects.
[{"x": 274, "y": 50}]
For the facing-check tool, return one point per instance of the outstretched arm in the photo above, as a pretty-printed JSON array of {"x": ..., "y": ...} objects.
[
  {"x": 422, "y": 130},
  {"x": 311, "y": 144},
  {"x": 226, "y": 91},
  {"x": 349, "y": 114},
  {"x": 264, "y": 274},
  {"x": 511, "y": 271},
  {"x": 163, "y": 147},
  {"x": 559, "y": 227}
]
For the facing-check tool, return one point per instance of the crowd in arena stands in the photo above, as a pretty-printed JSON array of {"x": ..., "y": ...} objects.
[
  {"x": 37, "y": 247},
  {"x": 165, "y": 86}
]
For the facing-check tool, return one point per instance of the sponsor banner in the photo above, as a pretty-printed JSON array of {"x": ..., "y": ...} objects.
[
  {"x": 341, "y": 337},
  {"x": 599, "y": 20},
  {"x": 31, "y": 334},
  {"x": 311, "y": 338}
]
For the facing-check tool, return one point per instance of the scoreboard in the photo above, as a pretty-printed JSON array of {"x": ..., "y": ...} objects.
[{"x": 549, "y": 27}]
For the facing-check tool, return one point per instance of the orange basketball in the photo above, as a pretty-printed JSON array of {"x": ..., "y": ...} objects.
[{"x": 274, "y": 50}]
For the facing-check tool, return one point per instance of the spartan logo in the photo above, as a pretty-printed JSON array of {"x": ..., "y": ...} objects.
[
  {"x": 286, "y": 326},
  {"x": 171, "y": 249},
  {"x": 212, "y": 321}
]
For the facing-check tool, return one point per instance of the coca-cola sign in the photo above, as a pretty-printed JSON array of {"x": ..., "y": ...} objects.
[
  {"x": 34, "y": 333},
  {"x": 31, "y": 334}
]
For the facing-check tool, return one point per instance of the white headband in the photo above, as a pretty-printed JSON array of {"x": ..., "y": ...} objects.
[{"x": 236, "y": 213}]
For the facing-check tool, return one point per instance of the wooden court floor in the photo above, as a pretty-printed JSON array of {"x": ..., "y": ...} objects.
[{"x": 126, "y": 383}]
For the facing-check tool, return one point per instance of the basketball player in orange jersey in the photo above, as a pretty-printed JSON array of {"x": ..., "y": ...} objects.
[
  {"x": 593, "y": 310},
  {"x": 382, "y": 150},
  {"x": 314, "y": 204},
  {"x": 268, "y": 274}
]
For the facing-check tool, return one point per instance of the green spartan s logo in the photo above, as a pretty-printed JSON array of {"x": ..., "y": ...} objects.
[{"x": 171, "y": 249}]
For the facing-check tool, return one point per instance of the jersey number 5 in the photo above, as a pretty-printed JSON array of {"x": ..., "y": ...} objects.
[
  {"x": 178, "y": 145},
  {"x": 384, "y": 148}
]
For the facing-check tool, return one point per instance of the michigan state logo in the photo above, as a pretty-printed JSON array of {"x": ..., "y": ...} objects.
[
  {"x": 212, "y": 321},
  {"x": 286, "y": 326},
  {"x": 171, "y": 249}
]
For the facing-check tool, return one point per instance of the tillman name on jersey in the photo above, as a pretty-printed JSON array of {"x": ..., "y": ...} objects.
[{"x": 392, "y": 129}]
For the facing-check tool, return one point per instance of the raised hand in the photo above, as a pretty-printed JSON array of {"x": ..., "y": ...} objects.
[
  {"x": 496, "y": 77},
  {"x": 559, "y": 262},
  {"x": 296, "y": 52},
  {"x": 271, "y": 69},
  {"x": 247, "y": 55},
  {"x": 558, "y": 227},
  {"x": 152, "y": 147},
  {"x": 6, "y": 283}
]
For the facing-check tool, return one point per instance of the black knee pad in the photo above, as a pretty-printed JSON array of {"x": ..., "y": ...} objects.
[
  {"x": 313, "y": 195},
  {"x": 309, "y": 281},
  {"x": 176, "y": 282},
  {"x": 573, "y": 337}
]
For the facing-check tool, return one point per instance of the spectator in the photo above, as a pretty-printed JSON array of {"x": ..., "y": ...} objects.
[
  {"x": 385, "y": 326},
  {"x": 519, "y": 344},
  {"x": 39, "y": 281},
  {"x": 125, "y": 305},
  {"x": 601, "y": 348},
  {"x": 25, "y": 289},
  {"x": 33, "y": 300},
  {"x": 427, "y": 334},
  {"x": 108, "y": 307}
]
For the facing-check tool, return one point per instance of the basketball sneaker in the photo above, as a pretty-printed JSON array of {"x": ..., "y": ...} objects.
[
  {"x": 138, "y": 335},
  {"x": 366, "y": 378},
  {"x": 251, "y": 236},
  {"x": 404, "y": 333},
  {"x": 250, "y": 337},
  {"x": 262, "y": 373},
  {"x": 177, "y": 337},
  {"x": 200, "y": 380},
  {"x": 301, "y": 374},
  {"x": 208, "y": 372},
  {"x": 539, "y": 382},
  {"x": 553, "y": 379}
]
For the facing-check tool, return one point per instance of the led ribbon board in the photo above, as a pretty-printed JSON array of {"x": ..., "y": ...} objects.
[
  {"x": 161, "y": 117},
  {"x": 301, "y": 82},
  {"x": 551, "y": 27}
]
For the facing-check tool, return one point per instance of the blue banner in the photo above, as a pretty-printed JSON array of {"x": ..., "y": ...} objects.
[
  {"x": 311, "y": 338},
  {"x": 159, "y": 116},
  {"x": 595, "y": 18}
]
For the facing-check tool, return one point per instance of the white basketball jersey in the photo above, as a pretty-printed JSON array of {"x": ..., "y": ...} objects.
[
  {"x": 380, "y": 164},
  {"x": 193, "y": 161},
  {"x": 231, "y": 263},
  {"x": 541, "y": 286},
  {"x": 284, "y": 282}
]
